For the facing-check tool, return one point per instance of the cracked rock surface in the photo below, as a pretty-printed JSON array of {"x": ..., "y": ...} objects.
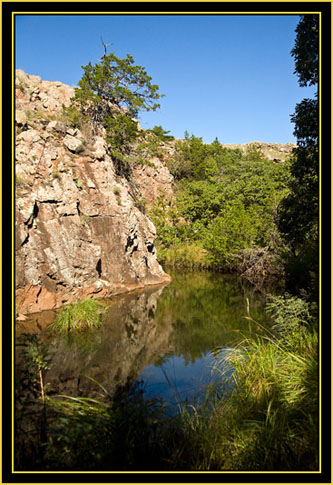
[{"x": 78, "y": 231}]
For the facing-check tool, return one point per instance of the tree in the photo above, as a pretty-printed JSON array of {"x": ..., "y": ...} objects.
[
  {"x": 160, "y": 132},
  {"x": 299, "y": 211},
  {"x": 306, "y": 50},
  {"x": 229, "y": 234},
  {"x": 112, "y": 92}
]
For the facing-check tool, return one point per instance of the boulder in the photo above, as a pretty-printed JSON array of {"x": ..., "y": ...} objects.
[
  {"x": 20, "y": 118},
  {"x": 73, "y": 144}
]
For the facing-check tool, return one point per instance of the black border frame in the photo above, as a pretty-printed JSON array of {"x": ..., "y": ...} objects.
[{"x": 177, "y": 8}]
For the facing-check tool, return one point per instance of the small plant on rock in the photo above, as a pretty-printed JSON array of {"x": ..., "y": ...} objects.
[
  {"x": 56, "y": 174},
  {"x": 141, "y": 205}
]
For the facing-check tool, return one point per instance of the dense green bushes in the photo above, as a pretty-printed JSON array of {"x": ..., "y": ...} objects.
[{"x": 225, "y": 202}]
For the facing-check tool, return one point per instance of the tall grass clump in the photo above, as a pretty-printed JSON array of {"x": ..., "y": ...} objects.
[
  {"x": 82, "y": 315},
  {"x": 269, "y": 420}
]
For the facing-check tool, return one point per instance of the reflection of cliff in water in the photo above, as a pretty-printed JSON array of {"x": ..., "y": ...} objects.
[{"x": 114, "y": 355}]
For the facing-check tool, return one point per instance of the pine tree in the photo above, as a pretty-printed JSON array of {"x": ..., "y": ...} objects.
[{"x": 112, "y": 92}]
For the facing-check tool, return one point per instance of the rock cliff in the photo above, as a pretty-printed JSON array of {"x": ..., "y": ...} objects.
[{"x": 80, "y": 230}]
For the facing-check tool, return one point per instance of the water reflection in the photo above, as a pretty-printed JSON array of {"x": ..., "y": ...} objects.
[{"x": 162, "y": 336}]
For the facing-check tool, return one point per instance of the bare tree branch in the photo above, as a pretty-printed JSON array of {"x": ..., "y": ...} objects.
[{"x": 105, "y": 45}]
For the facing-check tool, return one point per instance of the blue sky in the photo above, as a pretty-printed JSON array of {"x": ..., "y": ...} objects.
[{"x": 223, "y": 76}]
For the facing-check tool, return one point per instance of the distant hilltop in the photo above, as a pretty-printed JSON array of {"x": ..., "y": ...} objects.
[{"x": 277, "y": 152}]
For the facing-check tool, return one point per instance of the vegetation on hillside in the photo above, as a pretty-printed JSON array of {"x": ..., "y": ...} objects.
[{"x": 225, "y": 204}]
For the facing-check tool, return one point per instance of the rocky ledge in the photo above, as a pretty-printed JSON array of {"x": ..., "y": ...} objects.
[
  {"x": 80, "y": 229},
  {"x": 276, "y": 152}
]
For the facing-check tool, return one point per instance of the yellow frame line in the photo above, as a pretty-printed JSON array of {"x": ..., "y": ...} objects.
[{"x": 220, "y": 12}]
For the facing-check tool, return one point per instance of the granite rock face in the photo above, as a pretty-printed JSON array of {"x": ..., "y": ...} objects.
[
  {"x": 153, "y": 181},
  {"x": 79, "y": 232}
]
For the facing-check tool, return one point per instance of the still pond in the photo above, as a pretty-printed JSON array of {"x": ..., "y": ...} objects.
[{"x": 161, "y": 338}]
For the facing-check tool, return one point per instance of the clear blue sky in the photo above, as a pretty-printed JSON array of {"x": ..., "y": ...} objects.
[{"x": 225, "y": 76}]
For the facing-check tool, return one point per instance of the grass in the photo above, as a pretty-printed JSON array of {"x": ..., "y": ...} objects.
[
  {"x": 270, "y": 419},
  {"x": 184, "y": 255},
  {"x": 83, "y": 315},
  {"x": 266, "y": 422}
]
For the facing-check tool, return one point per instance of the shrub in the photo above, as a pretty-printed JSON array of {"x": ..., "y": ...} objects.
[
  {"x": 229, "y": 234},
  {"x": 291, "y": 315},
  {"x": 185, "y": 255},
  {"x": 73, "y": 116}
]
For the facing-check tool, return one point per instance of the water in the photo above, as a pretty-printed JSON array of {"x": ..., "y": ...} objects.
[{"x": 163, "y": 337}]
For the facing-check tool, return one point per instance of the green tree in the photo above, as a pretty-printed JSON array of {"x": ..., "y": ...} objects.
[
  {"x": 112, "y": 92},
  {"x": 306, "y": 50},
  {"x": 194, "y": 159},
  {"x": 299, "y": 211},
  {"x": 161, "y": 133},
  {"x": 229, "y": 234}
]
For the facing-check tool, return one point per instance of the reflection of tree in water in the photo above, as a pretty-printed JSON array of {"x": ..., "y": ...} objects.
[{"x": 207, "y": 311}]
